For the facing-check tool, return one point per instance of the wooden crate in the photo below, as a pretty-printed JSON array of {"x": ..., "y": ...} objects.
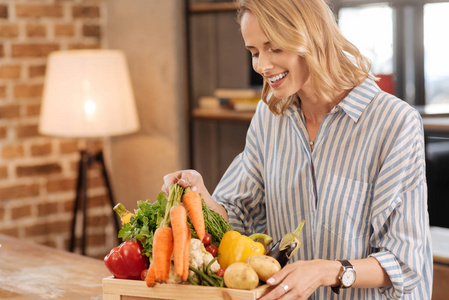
[{"x": 121, "y": 289}]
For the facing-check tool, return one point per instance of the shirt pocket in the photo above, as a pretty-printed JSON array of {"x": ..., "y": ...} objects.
[{"x": 346, "y": 209}]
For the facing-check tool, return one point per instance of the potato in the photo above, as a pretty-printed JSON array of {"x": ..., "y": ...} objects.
[
  {"x": 240, "y": 275},
  {"x": 264, "y": 265}
]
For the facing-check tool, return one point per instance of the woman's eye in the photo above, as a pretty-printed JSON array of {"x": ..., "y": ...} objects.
[
  {"x": 276, "y": 50},
  {"x": 254, "y": 55}
]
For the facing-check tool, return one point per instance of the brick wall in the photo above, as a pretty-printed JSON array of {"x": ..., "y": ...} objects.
[{"x": 38, "y": 173}]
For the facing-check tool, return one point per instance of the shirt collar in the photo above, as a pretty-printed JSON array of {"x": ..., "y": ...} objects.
[
  {"x": 358, "y": 99},
  {"x": 353, "y": 104}
]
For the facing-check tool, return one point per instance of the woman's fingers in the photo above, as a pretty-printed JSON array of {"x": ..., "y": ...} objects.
[{"x": 185, "y": 178}]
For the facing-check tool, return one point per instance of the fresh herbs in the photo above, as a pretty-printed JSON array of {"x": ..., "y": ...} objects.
[{"x": 147, "y": 218}]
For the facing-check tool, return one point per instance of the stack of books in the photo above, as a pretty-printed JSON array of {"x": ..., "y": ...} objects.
[{"x": 238, "y": 99}]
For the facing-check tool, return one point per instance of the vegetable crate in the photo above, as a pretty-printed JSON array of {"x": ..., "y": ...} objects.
[{"x": 121, "y": 289}]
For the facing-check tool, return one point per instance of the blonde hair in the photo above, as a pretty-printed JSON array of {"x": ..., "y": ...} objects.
[{"x": 308, "y": 27}]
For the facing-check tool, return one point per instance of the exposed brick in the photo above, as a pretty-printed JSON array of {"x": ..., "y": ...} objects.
[
  {"x": 28, "y": 90},
  {"x": 36, "y": 30},
  {"x": 3, "y": 172},
  {"x": 38, "y": 170},
  {"x": 2, "y": 50},
  {"x": 94, "y": 179},
  {"x": 92, "y": 31},
  {"x": 3, "y": 12},
  {"x": 64, "y": 30},
  {"x": 99, "y": 221},
  {"x": 9, "y": 111},
  {"x": 68, "y": 205},
  {"x": 41, "y": 149},
  {"x": 3, "y": 132},
  {"x": 2, "y": 213},
  {"x": 12, "y": 151},
  {"x": 80, "y": 11},
  {"x": 9, "y": 30},
  {"x": 26, "y": 131},
  {"x": 2, "y": 91},
  {"x": 97, "y": 201},
  {"x": 96, "y": 239},
  {"x": 38, "y": 11},
  {"x": 20, "y": 212},
  {"x": 80, "y": 46},
  {"x": 10, "y": 231},
  {"x": 19, "y": 191},
  {"x": 33, "y": 110},
  {"x": 47, "y": 228},
  {"x": 10, "y": 71},
  {"x": 37, "y": 71},
  {"x": 61, "y": 185},
  {"x": 46, "y": 209},
  {"x": 33, "y": 49},
  {"x": 68, "y": 146}
]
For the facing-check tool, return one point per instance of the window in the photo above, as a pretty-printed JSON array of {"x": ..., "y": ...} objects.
[
  {"x": 406, "y": 41},
  {"x": 436, "y": 53},
  {"x": 373, "y": 36}
]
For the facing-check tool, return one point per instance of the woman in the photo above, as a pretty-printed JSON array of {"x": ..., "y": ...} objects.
[{"x": 327, "y": 146}]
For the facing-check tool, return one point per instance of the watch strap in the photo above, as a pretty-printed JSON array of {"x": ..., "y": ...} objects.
[{"x": 345, "y": 264}]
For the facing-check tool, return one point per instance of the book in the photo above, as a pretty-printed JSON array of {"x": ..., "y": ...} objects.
[
  {"x": 244, "y": 104},
  {"x": 209, "y": 102},
  {"x": 238, "y": 93}
]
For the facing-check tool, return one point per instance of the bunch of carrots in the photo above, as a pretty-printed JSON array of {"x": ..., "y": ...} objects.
[{"x": 172, "y": 238}]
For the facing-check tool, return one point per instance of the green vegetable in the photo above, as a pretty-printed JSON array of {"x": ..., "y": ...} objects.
[
  {"x": 147, "y": 218},
  {"x": 205, "y": 276},
  {"x": 214, "y": 223}
]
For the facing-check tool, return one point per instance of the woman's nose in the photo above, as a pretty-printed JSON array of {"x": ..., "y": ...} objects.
[{"x": 264, "y": 64}]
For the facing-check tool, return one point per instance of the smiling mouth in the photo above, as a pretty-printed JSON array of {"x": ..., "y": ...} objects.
[{"x": 275, "y": 79}]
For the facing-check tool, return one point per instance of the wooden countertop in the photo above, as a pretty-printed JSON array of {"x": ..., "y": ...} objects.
[{"x": 32, "y": 271}]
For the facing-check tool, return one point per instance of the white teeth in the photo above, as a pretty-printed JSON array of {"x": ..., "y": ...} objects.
[{"x": 278, "y": 77}]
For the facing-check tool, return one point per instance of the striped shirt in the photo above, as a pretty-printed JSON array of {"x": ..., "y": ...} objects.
[{"x": 362, "y": 190}]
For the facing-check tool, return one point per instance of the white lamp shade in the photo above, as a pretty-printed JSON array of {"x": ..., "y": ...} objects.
[{"x": 87, "y": 93}]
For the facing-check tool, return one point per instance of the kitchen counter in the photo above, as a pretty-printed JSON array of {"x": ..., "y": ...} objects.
[{"x": 33, "y": 271}]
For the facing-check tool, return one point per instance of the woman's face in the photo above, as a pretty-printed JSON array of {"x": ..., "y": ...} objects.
[{"x": 285, "y": 71}]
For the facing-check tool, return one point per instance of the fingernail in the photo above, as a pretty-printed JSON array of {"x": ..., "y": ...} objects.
[
  {"x": 271, "y": 281},
  {"x": 194, "y": 188}
]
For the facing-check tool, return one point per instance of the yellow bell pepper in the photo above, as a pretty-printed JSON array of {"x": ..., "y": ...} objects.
[{"x": 235, "y": 247}]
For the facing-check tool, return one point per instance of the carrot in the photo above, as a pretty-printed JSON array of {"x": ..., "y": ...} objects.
[
  {"x": 193, "y": 203},
  {"x": 162, "y": 252},
  {"x": 178, "y": 216},
  {"x": 151, "y": 276},
  {"x": 185, "y": 273}
]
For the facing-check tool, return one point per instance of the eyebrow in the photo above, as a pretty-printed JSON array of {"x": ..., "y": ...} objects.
[{"x": 252, "y": 47}]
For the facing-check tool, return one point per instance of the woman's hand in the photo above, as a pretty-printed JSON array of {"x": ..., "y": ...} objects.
[
  {"x": 300, "y": 279},
  {"x": 194, "y": 180},
  {"x": 185, "y": 178}
]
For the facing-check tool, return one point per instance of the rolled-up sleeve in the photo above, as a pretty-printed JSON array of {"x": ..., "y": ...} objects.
[{"x": 400, "y": 219}]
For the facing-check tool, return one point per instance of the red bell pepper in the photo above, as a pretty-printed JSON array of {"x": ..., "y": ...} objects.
[{"x": 126, "y": 261}]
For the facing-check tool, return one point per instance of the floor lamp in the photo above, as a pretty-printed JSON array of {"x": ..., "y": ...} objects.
[{"x": 87, "y": 95}]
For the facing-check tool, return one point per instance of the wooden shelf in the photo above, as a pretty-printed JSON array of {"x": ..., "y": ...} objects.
[
  {"x": 222, "y": 115},
  {"x": 213, "y": 7}
]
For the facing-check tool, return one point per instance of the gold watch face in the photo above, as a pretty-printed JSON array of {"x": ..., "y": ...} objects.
[{"x": 348, "y": 278}]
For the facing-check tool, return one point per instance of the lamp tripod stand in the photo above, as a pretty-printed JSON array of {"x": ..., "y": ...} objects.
[{"x": 86, "y": 160}]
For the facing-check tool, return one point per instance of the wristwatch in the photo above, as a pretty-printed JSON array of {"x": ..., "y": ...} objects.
[{"x": 347, "y": 276}]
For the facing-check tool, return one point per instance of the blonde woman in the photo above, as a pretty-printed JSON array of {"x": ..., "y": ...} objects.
[{"x": 327, "y": 146}]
